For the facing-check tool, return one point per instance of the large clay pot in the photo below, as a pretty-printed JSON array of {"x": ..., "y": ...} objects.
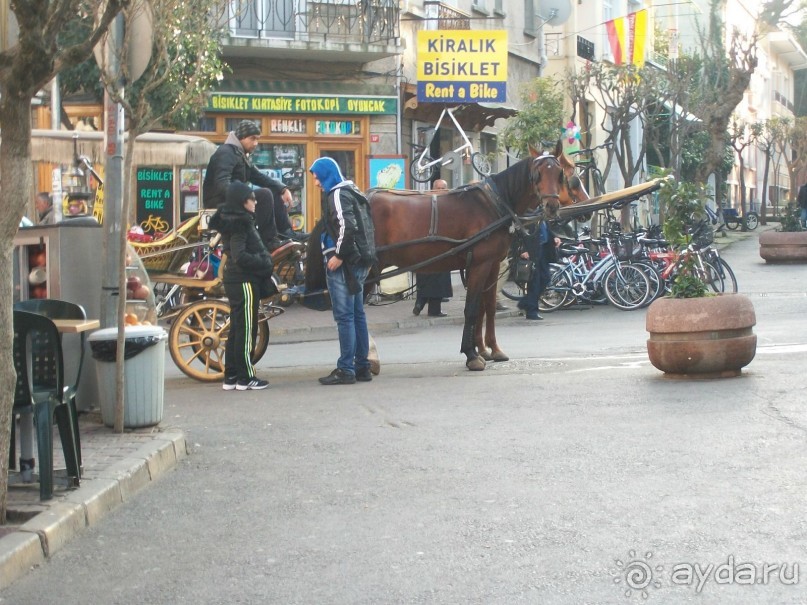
[
  {"x": 708, "y": 337},
  {"x": 783, "y": 247}
]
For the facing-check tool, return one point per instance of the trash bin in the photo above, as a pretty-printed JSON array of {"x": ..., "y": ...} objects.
[{"x": 144, "y": 370}]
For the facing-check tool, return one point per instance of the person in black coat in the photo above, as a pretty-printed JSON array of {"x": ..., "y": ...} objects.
[
  {"x": 432, "y": 288},
  {"x": 247, "y": 278},
  {"x": 802, "y": 201},
  {"x": 230, "y": 162}
]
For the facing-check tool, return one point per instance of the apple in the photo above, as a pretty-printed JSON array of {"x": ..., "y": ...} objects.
[
  {"x": 133, "y": 283},
  {"x": 141, "y": 293}
]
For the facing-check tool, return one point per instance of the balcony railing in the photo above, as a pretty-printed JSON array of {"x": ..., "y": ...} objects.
[
  {"x": 447, "y": 17},
  {"x": 362, "y": 21}
]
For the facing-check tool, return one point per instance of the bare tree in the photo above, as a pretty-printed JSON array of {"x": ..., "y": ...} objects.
[
  {"x": 770, "y": 135},
  {"x": 25, "y": 67},
  {"x": 742, "y": 136}
]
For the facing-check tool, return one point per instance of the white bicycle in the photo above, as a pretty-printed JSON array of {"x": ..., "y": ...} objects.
[{"x": 424, "y": 168}]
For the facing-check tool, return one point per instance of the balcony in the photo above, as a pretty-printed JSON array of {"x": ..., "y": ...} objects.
[
  {"x": 323, "y": 30},
  {"x": 447, "y": 17}
]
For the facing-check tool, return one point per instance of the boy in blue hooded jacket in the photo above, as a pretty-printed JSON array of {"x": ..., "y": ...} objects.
[{"x": 348, "y": 248}]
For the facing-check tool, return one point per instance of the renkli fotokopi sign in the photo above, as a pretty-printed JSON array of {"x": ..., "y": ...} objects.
[{"x": 462, "y": 66}]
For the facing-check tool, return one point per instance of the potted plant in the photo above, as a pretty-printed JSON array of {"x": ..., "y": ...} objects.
[
  {"x": 788, "y": 244},
  {"x": 694, "y": 331}
]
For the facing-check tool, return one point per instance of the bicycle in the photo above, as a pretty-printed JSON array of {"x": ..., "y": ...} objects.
[
  {"x": 423, "y": 167},
  {"x": 581, "y": 277},
  {"x": 589, "y": 172}
]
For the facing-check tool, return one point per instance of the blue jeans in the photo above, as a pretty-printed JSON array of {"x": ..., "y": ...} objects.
[
  {"x": 351, "y": 322},
  {"x": 803, "y": 217}
]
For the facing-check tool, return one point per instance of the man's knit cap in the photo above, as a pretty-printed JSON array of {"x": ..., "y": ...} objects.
[{"x": 247, "y": 128}]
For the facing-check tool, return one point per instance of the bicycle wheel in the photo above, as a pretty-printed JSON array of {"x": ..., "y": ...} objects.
[
  {"x": 514, "y": 290},
  {"x": 654, "y": 279},
  {"x": 557, "y": 293},
  {"x": 752, "y": 220},
  {"x": 732, "y": 222},
  {"x": 726, "y": 273},
  {"x": 420, "y": 173},
  {"x": 480, "y": 163},
  {"x": 597, "y": 182},
  {"x": 626, "y": 287},
  {"x": 711, "y": 276}
]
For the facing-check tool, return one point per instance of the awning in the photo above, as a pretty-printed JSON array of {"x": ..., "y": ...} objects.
[
  {"x": 471, "y": 116},
  {"x": 151, "y": 148}
]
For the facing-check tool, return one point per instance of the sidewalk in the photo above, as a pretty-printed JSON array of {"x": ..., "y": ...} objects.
[{"x": 117, "y": 466}]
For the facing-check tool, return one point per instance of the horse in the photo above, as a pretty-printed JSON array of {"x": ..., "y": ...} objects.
[{"x": 469, "y": 228}]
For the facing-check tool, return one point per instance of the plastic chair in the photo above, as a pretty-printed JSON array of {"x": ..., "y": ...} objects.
[
  {"x": 40, "y": 390},
  {"x": 61, "y": 309}
]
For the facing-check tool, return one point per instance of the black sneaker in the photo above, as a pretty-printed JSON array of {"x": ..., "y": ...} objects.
[
  {"x": 364, "y": 375},
  {"x": 229, "y": 383},
  {"x": 253, "y": 384},
  {"x": 338, "y": 377}
]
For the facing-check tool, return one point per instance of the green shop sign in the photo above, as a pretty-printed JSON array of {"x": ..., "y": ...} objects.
[{"x": 312, "y": 104}]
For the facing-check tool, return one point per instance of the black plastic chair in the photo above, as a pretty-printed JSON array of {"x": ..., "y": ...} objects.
[
  {"x": 62, "y": 309},
  {"x": 40, "y": 390}
]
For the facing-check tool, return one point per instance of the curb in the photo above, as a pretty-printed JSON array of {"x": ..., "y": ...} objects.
[{"x": 37, "y": 539}]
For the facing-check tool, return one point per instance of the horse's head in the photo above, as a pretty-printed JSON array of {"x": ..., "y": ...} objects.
[{"x": 555, "y": 181}]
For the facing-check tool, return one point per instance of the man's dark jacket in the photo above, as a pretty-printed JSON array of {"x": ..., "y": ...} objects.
[{"x": 227, "y": 164}]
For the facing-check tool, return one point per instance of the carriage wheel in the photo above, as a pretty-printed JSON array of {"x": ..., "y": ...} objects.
[
  {"x": 481, "y": 163},
  {"x": 198, "y": 337},
  {"x": 422, "y": 175}
]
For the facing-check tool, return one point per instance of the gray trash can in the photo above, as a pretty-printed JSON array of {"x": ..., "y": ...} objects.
[{"x": 144, "y": 370}]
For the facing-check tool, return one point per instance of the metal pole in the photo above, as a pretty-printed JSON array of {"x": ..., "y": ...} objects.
[{"x": 113, "y": 184}]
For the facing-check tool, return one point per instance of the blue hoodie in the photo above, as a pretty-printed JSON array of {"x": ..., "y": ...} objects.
[{"x": 330, "y": 176}]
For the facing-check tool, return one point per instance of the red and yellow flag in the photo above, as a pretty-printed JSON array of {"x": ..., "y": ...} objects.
[{"x": 627, "y": 37}]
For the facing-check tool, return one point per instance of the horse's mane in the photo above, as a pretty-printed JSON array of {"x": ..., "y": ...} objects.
[{"x": 510, "y": 181}]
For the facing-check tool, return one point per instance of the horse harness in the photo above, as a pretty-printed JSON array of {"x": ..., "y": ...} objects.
[{"x": 505, "y": 216}]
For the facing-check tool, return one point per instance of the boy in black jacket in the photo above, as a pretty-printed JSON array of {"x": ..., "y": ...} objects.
[{"x": 247, "y": 277}]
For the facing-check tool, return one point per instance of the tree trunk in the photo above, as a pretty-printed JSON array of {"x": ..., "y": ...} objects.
[
  {"x": 763, "y": 202},
  {"x": 15, "y": 115}
]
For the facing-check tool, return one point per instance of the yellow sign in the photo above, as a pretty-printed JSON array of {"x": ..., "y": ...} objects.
[{"x": 462, "y": 66}]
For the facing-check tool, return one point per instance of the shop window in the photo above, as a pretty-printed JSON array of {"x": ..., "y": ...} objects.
[
  {"x": 205, "y": 124},
  {"x": 230, "y": 124}
]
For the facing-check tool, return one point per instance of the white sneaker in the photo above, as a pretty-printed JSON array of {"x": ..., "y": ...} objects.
[{"x": 254, "y": 384}]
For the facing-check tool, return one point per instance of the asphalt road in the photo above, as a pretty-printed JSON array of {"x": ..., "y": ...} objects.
[{"x": 574, "y": 473}]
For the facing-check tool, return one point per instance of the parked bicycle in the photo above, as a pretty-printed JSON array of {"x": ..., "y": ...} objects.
[{"x": 588, "y": 171}]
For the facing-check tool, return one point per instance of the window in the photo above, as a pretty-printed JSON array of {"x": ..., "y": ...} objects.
[{"x": 530, "y": 18}]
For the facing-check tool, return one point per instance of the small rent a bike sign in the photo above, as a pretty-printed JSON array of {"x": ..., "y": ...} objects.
[{"x": 462, "y": 66}]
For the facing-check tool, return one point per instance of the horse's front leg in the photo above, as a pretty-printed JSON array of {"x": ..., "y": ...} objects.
[
  {"x": 489, "y": 347},
  {"x": 472, "y": 331}
]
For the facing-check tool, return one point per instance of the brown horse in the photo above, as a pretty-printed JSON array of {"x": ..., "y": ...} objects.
[{"x": 470, "y": 228}]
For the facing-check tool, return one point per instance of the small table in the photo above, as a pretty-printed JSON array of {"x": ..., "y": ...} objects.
[{"x": 75, "y": 326}]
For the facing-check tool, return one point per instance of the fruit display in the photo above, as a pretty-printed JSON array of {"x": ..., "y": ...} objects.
[{"x": 139, "y": 296}]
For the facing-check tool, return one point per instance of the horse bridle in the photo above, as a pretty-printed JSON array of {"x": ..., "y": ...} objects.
[{"x": 566, "y": 180}]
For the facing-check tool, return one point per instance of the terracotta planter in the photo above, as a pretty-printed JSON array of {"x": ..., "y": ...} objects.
[
  {"x": 708, "y": 337},
  {"x": 779, "y": 247}
]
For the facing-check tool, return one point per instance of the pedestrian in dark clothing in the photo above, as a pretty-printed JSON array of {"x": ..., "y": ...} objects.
[
  {"x": 432, "y": 288},
  {"x": 802, "y": 199},
  {"x": 540, "y": 245},
  {"x": 230, "y": 162},
  {"x": 247, "y": 279},
  {"x": 348, "y": 247}
]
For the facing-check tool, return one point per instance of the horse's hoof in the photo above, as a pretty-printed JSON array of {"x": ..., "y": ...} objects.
[
  {"x": 486, "y": 354},
  {"x": 475, "y": 365},
  {"x": 499, "y": 356}
]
